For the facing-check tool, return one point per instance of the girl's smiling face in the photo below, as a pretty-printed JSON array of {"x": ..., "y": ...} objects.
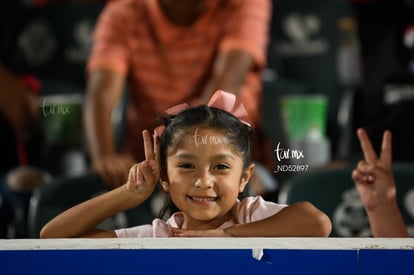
[{"x": 205, "y": 176}]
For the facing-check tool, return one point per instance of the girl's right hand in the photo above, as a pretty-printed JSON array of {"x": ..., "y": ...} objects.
[{"x": 144, "y": 176}]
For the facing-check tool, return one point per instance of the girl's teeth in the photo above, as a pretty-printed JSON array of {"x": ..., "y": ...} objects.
[{"x": 202, "y": 199}]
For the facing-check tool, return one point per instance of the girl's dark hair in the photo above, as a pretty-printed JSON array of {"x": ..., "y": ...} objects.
[{"x": 239, "y": 135}]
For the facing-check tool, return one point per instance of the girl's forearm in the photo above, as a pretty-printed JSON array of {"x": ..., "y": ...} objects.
[
  {"x": 82, "y": 219},
  {"x": 297, "y": 220}
]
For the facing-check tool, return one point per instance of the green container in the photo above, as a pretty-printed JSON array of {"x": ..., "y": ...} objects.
[
  {"x": 304, "y": 117},
  {"x": 61, "y": 118}
]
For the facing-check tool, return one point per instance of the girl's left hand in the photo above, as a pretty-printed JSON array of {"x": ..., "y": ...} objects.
[{"x": 217, "y": 233}]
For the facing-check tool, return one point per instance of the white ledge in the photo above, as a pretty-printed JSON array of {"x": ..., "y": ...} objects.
[{"x": 210, "y": 243}]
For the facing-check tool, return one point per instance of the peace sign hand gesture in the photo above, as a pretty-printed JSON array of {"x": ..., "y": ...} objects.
[
  {"x": 144, "y": 176},
  {"x": 373, "y": 176}
]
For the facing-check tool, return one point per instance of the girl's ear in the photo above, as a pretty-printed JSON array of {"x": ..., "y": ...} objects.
[
  {"x": 247, "y": 173},
  {"x": 165, "y": 185}
]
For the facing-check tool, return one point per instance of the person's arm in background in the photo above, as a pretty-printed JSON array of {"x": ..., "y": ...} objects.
[
  {"x": 104, "y": 91},
  {"x": 106, "y": 81},
  {"x": 18, "y": 105},
  {"x": 243, "y": 48},
  {"x": 229, "y": 71},
  {"x": 374, "y": 180}
]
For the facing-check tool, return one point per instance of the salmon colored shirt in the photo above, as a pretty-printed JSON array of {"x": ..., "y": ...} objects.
[
  {"x": 249, "y": 210},
  {"x": 167, "y": 64}
]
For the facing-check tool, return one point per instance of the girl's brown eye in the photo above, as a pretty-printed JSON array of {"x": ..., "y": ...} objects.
[
  {"x": 186, "y": 166},
  {"x": 221, "y": 167}
]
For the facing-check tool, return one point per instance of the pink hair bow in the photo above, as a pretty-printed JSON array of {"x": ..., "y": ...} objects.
[
  {"x": 220, "y": 99},
  {"x": 227, "y": 102}
]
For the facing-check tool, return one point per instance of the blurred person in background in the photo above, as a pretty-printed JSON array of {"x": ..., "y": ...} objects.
[
  {"x": 166, "y": 52},
  {"x": 26, "y": 161},
  {"x": 19, "y": 172}
]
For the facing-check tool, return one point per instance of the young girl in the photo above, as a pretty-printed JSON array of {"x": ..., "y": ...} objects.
[{"x": 203, "y": 161}]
